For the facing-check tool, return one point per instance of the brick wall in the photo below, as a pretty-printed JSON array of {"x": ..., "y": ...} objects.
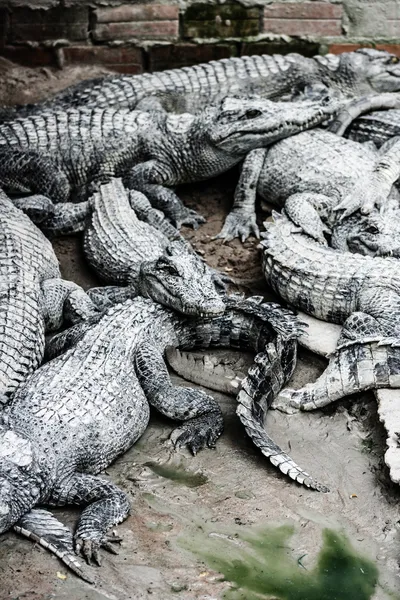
[{"x": 132, "y": 37}]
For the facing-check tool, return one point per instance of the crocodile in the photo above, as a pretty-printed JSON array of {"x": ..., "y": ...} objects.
[
  {"x": 190, "y": 89},
  {"x": 34, "y": 298},
  {"x": 374, "y": 234},
  {"x": 86, "y": 406},
  {"x": 140, "y": 252},
  {"x": 319, "y": 178},
  {"x": 328, "y": 284},
  {"x": 149, "y": 150}
]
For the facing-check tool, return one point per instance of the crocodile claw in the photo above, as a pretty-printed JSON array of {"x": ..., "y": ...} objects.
[
  {"x": 238, "y": 225},
  {"x": 189, "y": 217},
  {"x": 198, "y": 433},
  {"x": 89, "y": 548}
]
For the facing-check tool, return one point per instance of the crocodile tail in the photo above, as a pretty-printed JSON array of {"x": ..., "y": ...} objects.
[
  {"x": 282, "y": 320},
  {"x": 43, "y": 528},
  {"x": 264, "y": 380}
]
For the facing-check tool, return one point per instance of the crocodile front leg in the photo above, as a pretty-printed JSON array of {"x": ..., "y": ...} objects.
[
  {"x": 241, "y": 221},
  {"x": 65, "y": 300},
  {"x": 203, "y": 422},
  {"x": 107, "y": 506},
  {"x": 24, "y": 171}
]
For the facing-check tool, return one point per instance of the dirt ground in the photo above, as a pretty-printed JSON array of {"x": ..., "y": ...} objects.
[{"x": 203, "y": 526}]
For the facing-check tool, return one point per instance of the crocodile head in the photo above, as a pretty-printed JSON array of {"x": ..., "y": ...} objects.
[
  {"x": 376, "y": 234},
  {"x": 239, "y": 124},
  {"x": 373, "y": 70},
  {"x": 180, "y": 280},
  {"x": 20, "y": 487}
]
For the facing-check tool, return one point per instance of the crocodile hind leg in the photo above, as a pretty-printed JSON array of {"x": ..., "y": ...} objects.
[
  {"x": 165, "y": 199},
  {"x": 156, "y": 218},
  {"x": 151, "y": 177},
  {"x": 306, "y": 210},
  {"x": 203, "y": 422},
  {"x": 37, "y": 207},
  {"x": 241, "y": 221},
  {"x": 107, "y": 506},
  {"x": 354, "y": 367},
  {"x": 108, "y": 295},
  {"x": 65, "y": 300},
  {"x": 68, "y": 218}
]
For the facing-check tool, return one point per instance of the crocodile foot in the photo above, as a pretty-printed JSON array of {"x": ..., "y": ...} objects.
[
  {"x": 198, "y": 433},
  {"x": 238, "y": 224},
  {"x": 286, "y": 402},
  {"x": 189, "y": 217},
  {"x": 89, "y": 548}
]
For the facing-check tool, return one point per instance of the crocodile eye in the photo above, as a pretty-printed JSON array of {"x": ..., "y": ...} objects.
[
  {"x": 167, "y": 267},
  {"x": 372, "y": 229},
  {"x": 252, "y": 114},
  {"x": 394, "y": 60}
]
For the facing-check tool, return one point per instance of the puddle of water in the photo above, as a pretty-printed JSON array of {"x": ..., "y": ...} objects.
[
  {"x": 264, "y": 568},
  {"x": 178, "y": 474}
]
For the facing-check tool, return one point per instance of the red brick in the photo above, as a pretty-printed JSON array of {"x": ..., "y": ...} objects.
[
  {"x": 140, "y": 12},
  {"x": 29, "y": 57},
  {"x": 303, "y": 10},
  {"x": 115, "y": 58},
  {"x": 182, "y": 55},
  {"x": 143, "y": 29},
  {"x": 339, "y": 48},
  {"x": 323, "y": 27}
]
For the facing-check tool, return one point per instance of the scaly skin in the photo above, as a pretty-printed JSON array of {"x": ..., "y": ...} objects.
[
  {"x": 149, "y": 150},
  {"x": 376, "y": 234},
  {"x": 81, "y": 410},
  {"x": 328, "y": 284},
  {"x": 147, "y": 256},
  {"x": 191, "y": 88},
  {"x": 33, "y": 296}
]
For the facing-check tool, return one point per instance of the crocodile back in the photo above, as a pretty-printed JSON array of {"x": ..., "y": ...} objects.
[
  {"x": 50, "y": 130},
  {"x": 116, "y": 242},
  {"x": 26, "y": 259},
  {"x": 87, "y": 406},
  {"x": 321, "y": 281}
]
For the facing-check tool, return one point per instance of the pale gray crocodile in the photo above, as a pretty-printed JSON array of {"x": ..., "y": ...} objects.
[
  {"x": 33, "y": 297},
  {"x": 142, "y": 253},
  {"x": 189, "y": 89},
  {"x": 79, "y": 411},
  {"x": 319, "y": 178},
  {"x": 149, "y": 150},
  {"x": 374, "y": 234},
  {"x": 328, "y": 284}
]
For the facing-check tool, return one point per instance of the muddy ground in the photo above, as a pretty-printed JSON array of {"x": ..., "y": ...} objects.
[{"x": 203, "y": 526}]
